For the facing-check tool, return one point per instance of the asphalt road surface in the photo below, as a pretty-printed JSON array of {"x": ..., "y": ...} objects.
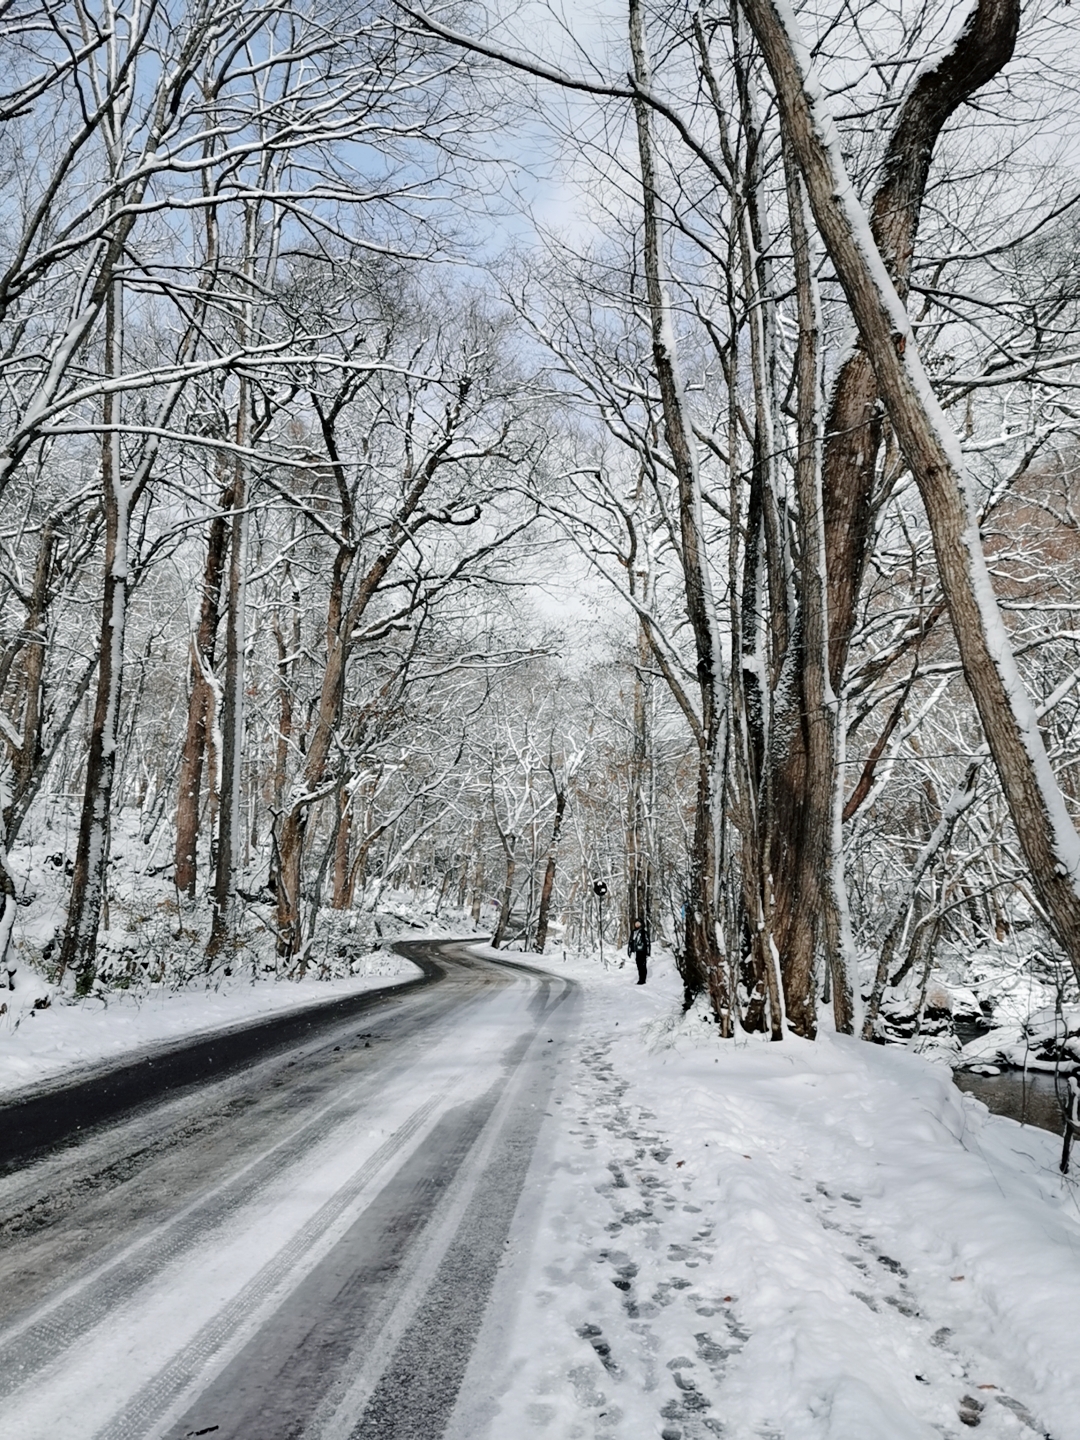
[{"x": 297, "y": 1245}]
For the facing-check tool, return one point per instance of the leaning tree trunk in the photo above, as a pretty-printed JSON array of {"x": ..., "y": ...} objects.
[
  {"x": 853, "y": 429},
  {"x": 806, "y": 861},
  {"x": 1045, "y": 828}
]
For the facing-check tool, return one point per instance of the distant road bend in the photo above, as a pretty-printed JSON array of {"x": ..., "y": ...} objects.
[{"x": 302, "y": 1244}]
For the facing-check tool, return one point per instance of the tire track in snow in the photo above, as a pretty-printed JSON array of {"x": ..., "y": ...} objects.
[
  {"x": 260, "y": 1294},
  {"x": 375, "y": 1339},
  {"x": 39, "y": 1340}
]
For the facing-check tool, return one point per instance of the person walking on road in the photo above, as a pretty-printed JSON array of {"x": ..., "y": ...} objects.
[{"x": 638, "y": 949}]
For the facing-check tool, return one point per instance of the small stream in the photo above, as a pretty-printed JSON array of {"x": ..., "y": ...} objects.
[{"x": 1030, "y": 1098}]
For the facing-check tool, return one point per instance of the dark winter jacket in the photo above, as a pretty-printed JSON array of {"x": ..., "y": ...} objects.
[{"x": 639, "y": 941}]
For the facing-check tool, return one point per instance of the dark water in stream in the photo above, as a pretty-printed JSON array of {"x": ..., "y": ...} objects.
[{"x": 1029, "y": 1098}]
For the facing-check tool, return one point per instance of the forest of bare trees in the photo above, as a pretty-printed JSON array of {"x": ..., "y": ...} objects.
[{"x": 449, "y": 460}]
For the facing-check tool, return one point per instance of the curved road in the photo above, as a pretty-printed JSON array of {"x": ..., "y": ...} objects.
[{"x": 301, "y": 1248}]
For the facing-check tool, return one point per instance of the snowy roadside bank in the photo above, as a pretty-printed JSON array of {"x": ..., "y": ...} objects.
[
  {"x": 801, "y": 1241},
  {"x": 38, "y": 1045}
]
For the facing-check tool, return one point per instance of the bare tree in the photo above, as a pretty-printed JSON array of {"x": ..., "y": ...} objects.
[{"x": 1042, "y": 820}]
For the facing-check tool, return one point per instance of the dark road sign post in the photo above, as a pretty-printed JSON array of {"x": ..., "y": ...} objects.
[{"x": 600, "y": 890}]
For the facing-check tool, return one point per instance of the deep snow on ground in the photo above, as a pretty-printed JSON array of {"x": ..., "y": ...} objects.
[
  {"x": 37, "y": 1045},
  {"x": 810, "y": 1241},
  {"x": 766, "y": 1242}
]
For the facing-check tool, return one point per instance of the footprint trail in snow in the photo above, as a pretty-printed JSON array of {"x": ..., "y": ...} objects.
[{"x": 741, "y": 1280}]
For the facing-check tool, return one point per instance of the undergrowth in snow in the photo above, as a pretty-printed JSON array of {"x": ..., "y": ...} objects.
[{"x": 153, "y": 984}]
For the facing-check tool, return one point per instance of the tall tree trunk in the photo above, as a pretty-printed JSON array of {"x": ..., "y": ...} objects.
[
  {"x": 227, "y": 860},
  {"x": 638, "y": 849},
  {"x": 821, "y": 899},
  {"x": 79, "y": 947},
  {"x": 510, "y": 849},
  {"x": 704, "y": 963},
  {"x": 29, "y": 759},
  {"x": 232, "y": 708},
  {"x": 200, "y": 702},
  {"x": 1045, "y": 828},
  {"x": 28, "y": 756},
  {"x": 343, "y": 834},
  {"x": 549, "y": 870},
  {"x": 806, "y": 749},
  {"x": 477, "y": 888},
  {"x": 308, "y": 788},
  {"x": 288, "y": 647}
]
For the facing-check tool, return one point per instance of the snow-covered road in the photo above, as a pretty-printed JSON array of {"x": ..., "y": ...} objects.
[
  {"x": 509, "y": 1207},
  {"x": 303, "y": 1249}
]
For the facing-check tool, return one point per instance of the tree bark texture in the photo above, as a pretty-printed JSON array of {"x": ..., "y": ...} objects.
[
  {"x": 79, "y": 947},
  {"x": 200, "y": 702},
  {"x": 550, "y": 864},
  {"x": 1046, "y": 831},
  {"x": 704, "y": 965},
  {"x": 232, "y": 719}
]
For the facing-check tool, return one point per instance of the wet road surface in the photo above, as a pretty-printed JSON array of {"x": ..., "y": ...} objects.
[{"x": 302, "y": 1248}]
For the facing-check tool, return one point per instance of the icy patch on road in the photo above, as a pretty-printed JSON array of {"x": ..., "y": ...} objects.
[
  {"x": 41, "y": 1044},
  {"x": 799, "y": 1241}
]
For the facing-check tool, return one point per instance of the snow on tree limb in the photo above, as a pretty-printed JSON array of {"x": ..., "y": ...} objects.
[{"x": 932, "y": 450}]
